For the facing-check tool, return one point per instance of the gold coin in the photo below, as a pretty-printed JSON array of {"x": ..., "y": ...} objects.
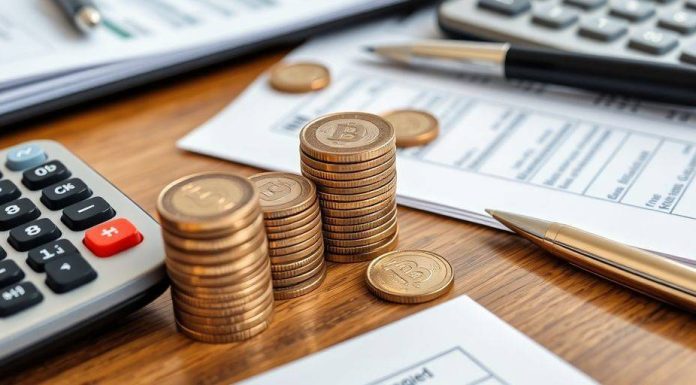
[
  {"x": 231, "y": 287},
  {"x": 216, "y": 270},
  {"x": 299, "y": 270},
  {"x": 413, "y": 127},
  {"x": 299, "y": 255},
  {"x": 301, "y": 288},
  {"x": 299, "y": 77},
  {"x": 358, "y": 197},
  {"x": 187, "y": 319},
  {"x": 223, "y": 338},
  {"x": 342, "y": 184},
  {"x": 218, "y": 244},
  {"x": 299, "y": 278},
  {"x": 292, "y": 221},
  {"x": 292, "y": 232},
  {"x": 309, "y": 256},
  {"x": 389, "y": 164},
  {"x": 409, "y": 276},
  {"x": 222, "y": 233},
  {"x": 218, "y": 257},
  {"x": 218, "y": 301},
  {"x": 366, "y": 256},
  {"x": 355, "y": 190},
  {"x": 365, "y": 219},
  {"x": 289, "y": 250},
  {"x": 346, "y": 231},
  {"x": 360, "y": 204},
  {"x": 346, "y": 167},
  {"x": 362, "y": 248},
  {"x": 244, "y": 311},
  {"x": 222, "y": 325},
  {"x": 347, "y": 137},
  {"x": 358, "y": 212},
  {"x": 282, "y": 194},
  {"x": 364, "y": 234},
  {"x": 387, "y": 230},
  {"x": 294, "y": 240},
  {"x": 206, "y": 202}
]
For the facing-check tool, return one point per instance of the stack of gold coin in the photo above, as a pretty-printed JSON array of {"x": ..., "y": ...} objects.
[
  {"x": 293, "y": 225},
  {"x": 217, "y": 257},
  {"x": 351, "y": 158}
]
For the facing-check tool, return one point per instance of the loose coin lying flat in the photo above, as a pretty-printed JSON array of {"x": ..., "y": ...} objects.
[
  {"x": 413, "y": 127},
  {"x": 409, "y": 276},
  {"x": 299, "y": 77}
]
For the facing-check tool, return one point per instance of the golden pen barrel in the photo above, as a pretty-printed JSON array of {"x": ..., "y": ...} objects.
[{"x": 640, "y": 270}]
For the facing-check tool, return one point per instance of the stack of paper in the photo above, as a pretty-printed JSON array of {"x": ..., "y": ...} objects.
[
  {"x": 621, "y": 169},
  {"x": 42, "y": 57}
]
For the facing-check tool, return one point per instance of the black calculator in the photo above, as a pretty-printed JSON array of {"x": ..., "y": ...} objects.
[{"x": 75, "y": 252}]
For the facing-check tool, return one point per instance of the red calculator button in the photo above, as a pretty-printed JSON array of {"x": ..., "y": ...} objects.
[{"x": 112, "y": 237}]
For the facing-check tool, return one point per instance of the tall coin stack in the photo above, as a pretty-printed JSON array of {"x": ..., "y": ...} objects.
[
  {"x": 293, "y": 225},
  {"x": 351, "y": 157},
  {"x": 217, "y": 257}
]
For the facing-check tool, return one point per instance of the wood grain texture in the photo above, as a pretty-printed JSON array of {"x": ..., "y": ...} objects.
[{"x": 610, "y": 333}]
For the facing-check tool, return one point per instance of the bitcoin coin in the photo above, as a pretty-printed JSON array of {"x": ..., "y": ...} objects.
[
  {"x": 213, "y": 245},
  {"x": 299, "y": 77},
  {"x": 294, "y": 240},
  {"x": 223, "y": 338},
  {"x": 347, "y": 137},
  {"x": 386, "y": 166},
  {"x": 409, "y": 276},
  {"x": 354, "y": 235},
  {"x": 359, "y": 204},
  {"x": 299, "y": 270},
  {"x": 243, "y": 312},
  {"x": 366, "y": 256},
  {"x": 299, "y": 278},
  {"x": 222, "y": 325},
  {"x": 354, "y": 190},
  {"x": 219, "y": 257},
  {"x": 362, "y": 227},
  {"x": 292, "y": 231},
  {"x": 284, "y": 266},
  {"x": 367, "y": 218},
  {"x": 283, "y": 194},
  {"x": 292, "y": 221},
  {"x": 301, "y": 288},
  {"x": 346, "y": 167},
  {"x": 413, "y": 127},
  {"x": 356, "y": 183},
  {"x": 281, "y": 251},
  {"x": 359, "y": 196},
  {"x": 358, "y": 212},
  {"x": 206, "y": 202}
]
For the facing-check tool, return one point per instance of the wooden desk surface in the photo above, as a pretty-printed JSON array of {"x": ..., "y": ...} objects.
[{"x": 610, "y": 333}]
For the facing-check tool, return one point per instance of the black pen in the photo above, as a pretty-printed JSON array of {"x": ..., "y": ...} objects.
[
  {"x": 82, "y": 13},
  {"x": 633, "y": 78}
]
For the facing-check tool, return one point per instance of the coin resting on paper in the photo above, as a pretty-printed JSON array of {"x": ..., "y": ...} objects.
[{"x": 234, "y": 244}]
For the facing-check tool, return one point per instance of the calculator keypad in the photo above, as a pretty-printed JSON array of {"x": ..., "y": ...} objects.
[
  {"x": 25, "y": 156},
  {"x": 17, "y": 212},
  {"x": 15, "y": 298},
  {"x": 33, "y": 234},
  {"x": 10, "y": 273},
  {"x": 69, "y": 272},
  {"x": 38, "y": 257},
  {"x": 85, "y": 214},
  {"x": 63, "y": 194},
  {"x": 8, "y": 191},
  {"x": 45, "y": 175}
]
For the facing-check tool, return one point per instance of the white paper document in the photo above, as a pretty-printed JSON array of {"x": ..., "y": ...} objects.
[
  {"x": 622, "y": 169},
  {"x": 456, "y": 343},
  {"x": 43, "y": 57}
]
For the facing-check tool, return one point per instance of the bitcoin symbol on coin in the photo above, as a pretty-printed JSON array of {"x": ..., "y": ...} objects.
[
  {"x": 408, "y": 272},
  {"x": 207, "y": 197},
  {"x": 273, "y": 190},
  {"x": 348, "y": 132}
]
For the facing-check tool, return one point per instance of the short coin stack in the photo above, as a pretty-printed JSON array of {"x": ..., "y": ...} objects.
[
  {"x": 293, "y": 225},
  {"x": 217, "y": 257},
  {"x": 351, "y": 158}
]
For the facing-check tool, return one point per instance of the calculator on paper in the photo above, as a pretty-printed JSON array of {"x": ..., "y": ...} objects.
[
  {"x": 75, "y": 252},
  {"x": 654, "y": 30}
]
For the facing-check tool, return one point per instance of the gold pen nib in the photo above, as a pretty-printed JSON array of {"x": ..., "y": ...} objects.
[{"x": 521, "y": 223}]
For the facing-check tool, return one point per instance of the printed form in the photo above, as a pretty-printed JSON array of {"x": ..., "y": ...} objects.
[
  {"x": 622, "y": 169},
  {"x": 455, "y": 343}
]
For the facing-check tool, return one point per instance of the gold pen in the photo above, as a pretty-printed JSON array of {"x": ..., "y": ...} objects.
[{"x": 642, "y": 271}]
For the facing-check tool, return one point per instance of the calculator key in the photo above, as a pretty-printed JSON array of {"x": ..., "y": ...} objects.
[
  {"x": 85, "y": 214},
  {"x": 688, "y": 55},
  {"x": 603, "y": 28},
  {"x": 112, "y": 237},
  {"x": 8, "y": 191},
  {"x": 68, "y": 273},
  {"x": 554, "y": 16},
  {"x": 680, "y": 21},
  {"x": 16, "y": 298},
  {"x": 17, "y": 212},
  {"x": 33, "y": 234},
  {"x": 3, "y": 253},
  {"x": 653, "y": 41},
  {"x": 63, "y": 194},
  {"x": 10, "y": 273},
  {"x": 586, "y": 4},
  {"x": 633, "y": 10},
  {"x": 506, "y": 7},
  {"x": 38, "y": 257},
  {"x": 45, "y": 175},
  {"x": 25, "y": 156}
]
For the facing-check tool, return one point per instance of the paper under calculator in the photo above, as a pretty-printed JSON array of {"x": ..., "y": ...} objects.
[{"x": 76, "y": 251}]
